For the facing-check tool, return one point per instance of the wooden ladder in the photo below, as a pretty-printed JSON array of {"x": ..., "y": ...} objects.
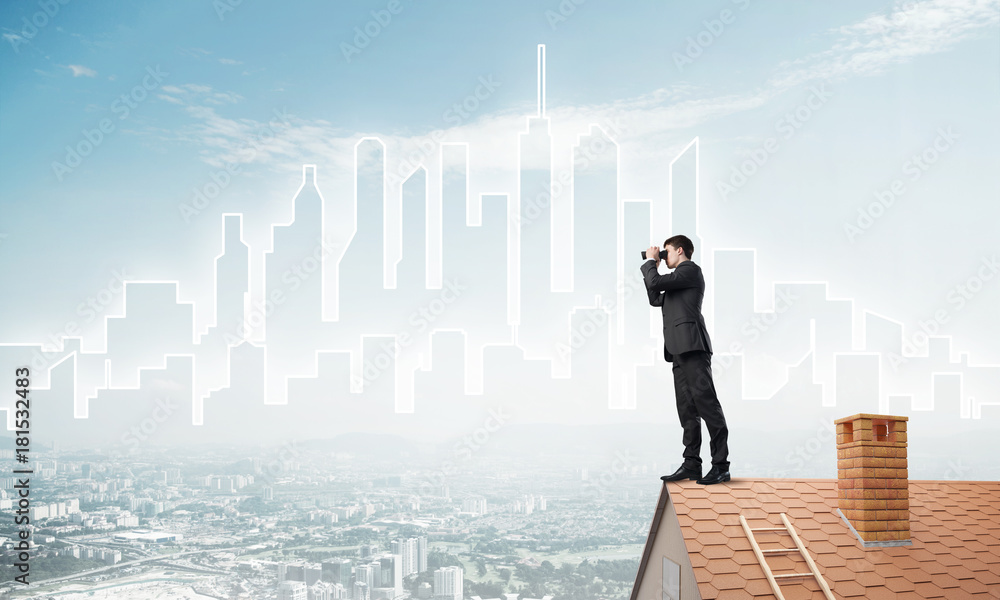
[{"x": 799, "y": 547}]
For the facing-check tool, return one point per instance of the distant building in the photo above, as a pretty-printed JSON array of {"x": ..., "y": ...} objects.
[
  {"x": 525, "y": 505},
  {"x": 362, "y": 591},
  {"x": 109, "y": 557},
  {"x": 292, "y": 590},
  {"x": 422, "y": 554},
  {"x": 173, "y": 476},
  {"x": 126, "y": 520},
  {"x": 153, "y": 508},
  {"x": 292, "y": 572},
  {"x": 322, "y": 590},
  {"x": 147, "y": 537},
  {"x": 409, "y": 552},
  {"x": 337, "y": 570},
  {"x": 448, "y": 583},
  {"x": 365, "y": 574},
  {"x": 313, "y": 574},
  {"x": 475, "y": 505},
  {"x": 391, "y": 575},
  {"x": 346, "y": 512}
]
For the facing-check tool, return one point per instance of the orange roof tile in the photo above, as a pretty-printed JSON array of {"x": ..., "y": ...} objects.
[{"x": 954, "y": 551}]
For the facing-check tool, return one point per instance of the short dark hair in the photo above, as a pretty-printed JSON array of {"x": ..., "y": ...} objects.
[{"x": 683, "y": 242}]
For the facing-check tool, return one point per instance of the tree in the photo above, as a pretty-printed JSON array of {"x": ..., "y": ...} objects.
[
  {"x": 565, "y": 570},
  {"x": 486, "y": 589}
]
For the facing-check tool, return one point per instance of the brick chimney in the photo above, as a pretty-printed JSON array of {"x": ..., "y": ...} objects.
[{"x": 873, "y": 492}]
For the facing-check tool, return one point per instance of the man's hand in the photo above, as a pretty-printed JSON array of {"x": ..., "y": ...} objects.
[{"x": 654, "y": 253}]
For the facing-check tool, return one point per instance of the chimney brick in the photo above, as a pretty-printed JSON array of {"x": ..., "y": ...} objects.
[{"x": 872, "y": 477}]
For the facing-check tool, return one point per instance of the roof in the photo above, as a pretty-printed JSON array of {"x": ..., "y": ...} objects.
[{"x": 955, "y": 535}]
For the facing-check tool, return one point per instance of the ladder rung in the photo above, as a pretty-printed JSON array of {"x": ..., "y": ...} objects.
[{"x": 772, "y": 579}]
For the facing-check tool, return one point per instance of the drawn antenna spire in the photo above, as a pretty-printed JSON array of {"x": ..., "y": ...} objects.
[{"x": 541, "y": 80}]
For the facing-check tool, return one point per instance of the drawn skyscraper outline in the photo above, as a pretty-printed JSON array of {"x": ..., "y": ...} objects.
[{"x": 88, "y": 382}]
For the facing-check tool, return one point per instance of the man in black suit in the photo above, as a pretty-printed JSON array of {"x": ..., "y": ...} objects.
[{"x": 686, "y": 344}]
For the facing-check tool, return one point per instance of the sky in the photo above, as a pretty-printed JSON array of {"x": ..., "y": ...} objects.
[{"x": 831, "y": 100}]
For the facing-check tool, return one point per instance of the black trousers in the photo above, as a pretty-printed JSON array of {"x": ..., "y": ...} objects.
[{"x": 697, "y": 400}]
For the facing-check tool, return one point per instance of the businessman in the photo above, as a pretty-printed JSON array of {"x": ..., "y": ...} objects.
[{"x": 686, "y": 344}]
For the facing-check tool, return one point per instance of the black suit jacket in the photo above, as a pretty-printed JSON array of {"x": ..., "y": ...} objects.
[{"x": 679, "y": 294}]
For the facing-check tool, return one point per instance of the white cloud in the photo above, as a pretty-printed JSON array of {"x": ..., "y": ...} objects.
[
  {"x": 102, "y": 41},
  {"x": 219, "y": 98},
  {"x": 230, "y": 61},
  {"x": 170, "y": 99},
  {"x": 193, "y": 94},
  {"x": 226, "y": 140},
  {"x": 79, "y": 70},
  {"x": 193, "y": 52},
  {"x": 909, "y": 30}
]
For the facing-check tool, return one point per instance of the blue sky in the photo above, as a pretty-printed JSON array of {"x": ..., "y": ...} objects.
[{"x": 898, "y": 73}]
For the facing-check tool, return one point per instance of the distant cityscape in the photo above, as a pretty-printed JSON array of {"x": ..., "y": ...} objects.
[{"x": 313, "y": 524}]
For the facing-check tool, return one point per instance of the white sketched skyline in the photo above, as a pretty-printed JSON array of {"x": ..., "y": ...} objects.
[{"x": 625, "y": 356}]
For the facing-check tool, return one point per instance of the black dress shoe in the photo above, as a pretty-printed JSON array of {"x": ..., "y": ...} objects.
[
  {"x": 683, "y": 473},
  {"x": 715, "y": 475}
]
